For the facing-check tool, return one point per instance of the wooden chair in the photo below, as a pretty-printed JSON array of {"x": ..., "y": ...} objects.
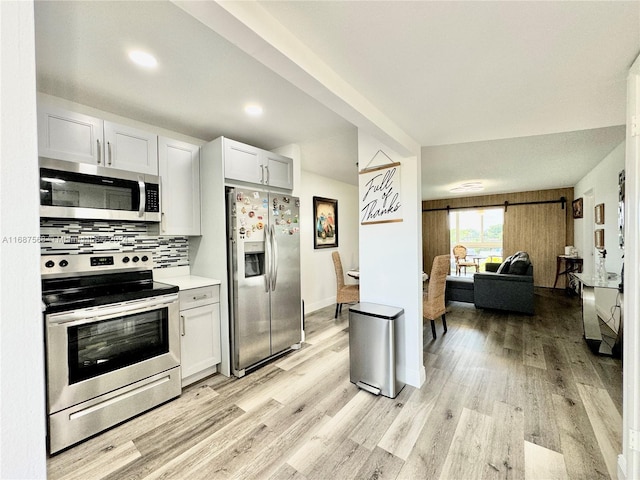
[
  {"x": 344, "y": 293},
  {"x": 433, "y": 305},
  {"x": 460, "y": 254}
]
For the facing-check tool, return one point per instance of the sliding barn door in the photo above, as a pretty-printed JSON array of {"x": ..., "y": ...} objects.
[
  {"x": 435, "y": 237},
  {"x": 540, "y": 230}
]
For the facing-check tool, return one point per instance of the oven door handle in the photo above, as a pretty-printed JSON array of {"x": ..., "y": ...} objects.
[{"x": 105, "y": 312}]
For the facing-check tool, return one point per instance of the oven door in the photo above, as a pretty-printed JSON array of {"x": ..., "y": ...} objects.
[{"x": 96, "y": 350}]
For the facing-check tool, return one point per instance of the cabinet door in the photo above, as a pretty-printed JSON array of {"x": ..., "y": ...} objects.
[
  {"x": 179, "y": 166},
  {"x": 279, "y": 171},
  {"x": 200, "y": 340},
  {"x": 242, "y": 162},
  {"x": 130, "y": 149},
  {"x": 66, "y": 135}
]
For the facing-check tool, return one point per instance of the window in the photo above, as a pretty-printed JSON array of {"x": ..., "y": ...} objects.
[{"x": 480, "y": 230}]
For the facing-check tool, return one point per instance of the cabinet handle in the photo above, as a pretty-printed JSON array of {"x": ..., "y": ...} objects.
[
  {"x": 183, "y": 324},
  {"x": 261, "y": 173},
  {"x": 162, "y": 223},
  {"x": 109, "y": 151},
  {"x": 99, "y": 152},
  {"x": 200, "y": 297},
  {"x": 268, "y": 175}
]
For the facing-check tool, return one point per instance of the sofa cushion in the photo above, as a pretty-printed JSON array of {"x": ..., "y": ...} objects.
[
  {"x": 519, "y": 263},
  {"x": 504, "y": 266}
]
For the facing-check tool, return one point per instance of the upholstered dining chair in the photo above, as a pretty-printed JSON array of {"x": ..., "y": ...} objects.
[
  {"x": 433, "y": 305},
  {"x": 460, "y": 253},
  {"x": 344, "y": 293}
]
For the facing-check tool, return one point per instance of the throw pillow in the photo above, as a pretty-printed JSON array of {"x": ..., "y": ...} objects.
[
  {"x": 504, "y": 266},
  {"x": 519, "y": 263}
]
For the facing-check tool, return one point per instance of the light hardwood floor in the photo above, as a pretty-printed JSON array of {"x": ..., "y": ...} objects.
[{"x": 507, "y": 396}]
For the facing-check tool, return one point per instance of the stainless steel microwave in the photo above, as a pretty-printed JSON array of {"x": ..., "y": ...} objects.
[{"x": 79, "y": 190}]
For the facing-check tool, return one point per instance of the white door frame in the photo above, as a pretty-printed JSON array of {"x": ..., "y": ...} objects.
[{"x": 629, "y": 460}]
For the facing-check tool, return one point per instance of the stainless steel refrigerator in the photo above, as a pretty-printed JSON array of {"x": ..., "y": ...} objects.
[{"x": 263, "y": 231}]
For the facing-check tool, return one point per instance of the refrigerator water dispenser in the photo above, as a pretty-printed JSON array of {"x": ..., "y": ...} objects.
[{"x": 253, "y": 259}]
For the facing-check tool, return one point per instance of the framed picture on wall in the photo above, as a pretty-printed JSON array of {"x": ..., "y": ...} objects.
[
  {"x": 577, "y": 208},
  {"x": 599, "y": 238},
  {"x": 600, "y": 214},
  {"x": 325, "y": 213}
]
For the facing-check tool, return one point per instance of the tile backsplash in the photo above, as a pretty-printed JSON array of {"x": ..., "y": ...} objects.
[{"x": 63, "y": 236}]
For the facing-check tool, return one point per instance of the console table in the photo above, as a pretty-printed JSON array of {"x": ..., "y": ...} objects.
[
  {"x": 571, "y": 265},
  {"x": 599, "y": 337}
]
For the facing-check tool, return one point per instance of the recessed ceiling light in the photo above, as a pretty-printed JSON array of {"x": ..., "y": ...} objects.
[
  {"x": 143, "y": 59},
  {"x": 253, "y": 109},
  {"x": 468, "y": 187}
]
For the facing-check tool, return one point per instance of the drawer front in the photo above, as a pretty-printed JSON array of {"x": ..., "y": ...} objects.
[{"x": 196, "y": 297}]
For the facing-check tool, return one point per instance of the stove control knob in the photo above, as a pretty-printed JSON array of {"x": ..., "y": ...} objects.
[
  {"x": 144, "y": 258},
  {"x": 125, "y": 259},
  {"x": 50, "y": 264},
  {"x": 135, "y": 259},
  {"x": 63, "y": 263}
]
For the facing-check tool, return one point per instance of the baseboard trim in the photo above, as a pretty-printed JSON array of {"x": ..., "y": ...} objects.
[{"x": 312, "y": 307}]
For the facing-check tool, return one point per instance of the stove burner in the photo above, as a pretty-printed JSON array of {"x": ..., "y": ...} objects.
[{"x": 71, "y": 282}]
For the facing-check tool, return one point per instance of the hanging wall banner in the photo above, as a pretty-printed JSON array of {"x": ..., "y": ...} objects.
[{"x": 380, "y": 194}]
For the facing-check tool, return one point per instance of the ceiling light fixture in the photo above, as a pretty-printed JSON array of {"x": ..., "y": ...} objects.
[
  {"x": 143, "y": 59},
  {"x": 253, "y": 109},
  {"x": 468, "y": 187}
]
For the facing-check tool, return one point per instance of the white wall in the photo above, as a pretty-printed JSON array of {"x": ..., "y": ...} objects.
[
  {"x": 603, "y": 182},
  {"x": 600, "y": 185},
  {"x": 318, "y": 275},
  {"x": 391, "y": 260},
  {"x": 22, "y": 401}
]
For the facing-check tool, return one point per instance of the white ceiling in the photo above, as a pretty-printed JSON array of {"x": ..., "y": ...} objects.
[{"x": 523, "y": 95}]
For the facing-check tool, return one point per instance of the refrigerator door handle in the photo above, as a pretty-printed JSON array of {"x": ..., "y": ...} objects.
[
  {"x": 267, "y": 260},
  {"x": 274, "y": 248}
]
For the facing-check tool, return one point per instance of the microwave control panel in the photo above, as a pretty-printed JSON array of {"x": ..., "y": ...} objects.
[{"x": 152, "y": 197}]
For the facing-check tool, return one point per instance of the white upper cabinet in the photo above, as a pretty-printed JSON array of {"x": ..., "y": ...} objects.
[
  {"x": 249, "y": 164},
  {"x": 75, "y": 137},
  {"x": 279, "y": 171},
  {"x": 179, "y": 165},
  {"x": 130, "y": 149},
  {"x": 242, "y": 162},
  {"x": 71, "y": 136}
]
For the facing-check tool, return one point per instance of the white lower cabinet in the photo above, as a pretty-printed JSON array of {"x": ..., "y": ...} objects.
[{"x": 200, "y": 348}]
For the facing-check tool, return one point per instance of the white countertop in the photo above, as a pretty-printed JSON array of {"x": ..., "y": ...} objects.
[{"x": 182, "y": 278}]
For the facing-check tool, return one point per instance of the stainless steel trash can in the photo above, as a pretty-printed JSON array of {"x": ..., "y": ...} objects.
[{"x": 372, "y": 348}]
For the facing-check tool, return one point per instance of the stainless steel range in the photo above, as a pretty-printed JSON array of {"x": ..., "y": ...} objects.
[{"x": 112, "y": 342}]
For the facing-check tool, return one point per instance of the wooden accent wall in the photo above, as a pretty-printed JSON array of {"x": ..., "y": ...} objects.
[
  {"x": 435, "y": 237},
  {"x": 542, "y": 230}
]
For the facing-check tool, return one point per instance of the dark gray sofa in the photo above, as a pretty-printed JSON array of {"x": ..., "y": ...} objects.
[
  {"x": 504, "y": 291},
  {"x": 459, "y": 289}
]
